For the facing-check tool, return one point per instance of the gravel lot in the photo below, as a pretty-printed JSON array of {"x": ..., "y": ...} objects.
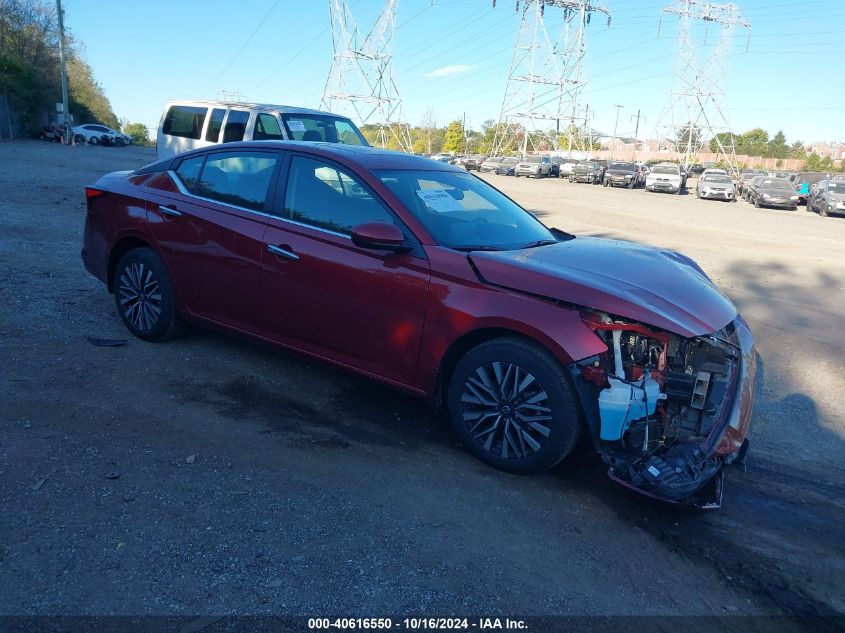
[{"x": 212, "y": 475}]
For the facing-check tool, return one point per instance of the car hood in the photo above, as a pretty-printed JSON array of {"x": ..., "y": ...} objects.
[{"x": 657, "y": 287}]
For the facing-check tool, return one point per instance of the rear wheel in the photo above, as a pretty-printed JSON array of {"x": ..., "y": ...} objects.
[
  {"x": 144, "y": 296},
  {"x": 94, "y": 140},
  {"x": 79, "y": 139},
  {"x": 512, "y": 406}
]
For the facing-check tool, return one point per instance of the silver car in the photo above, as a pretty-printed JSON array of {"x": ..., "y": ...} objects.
[
  {"x": 827, "y": 197},
  {"x": 534, "y": 167},
  {"x": 714, "y": 186}
]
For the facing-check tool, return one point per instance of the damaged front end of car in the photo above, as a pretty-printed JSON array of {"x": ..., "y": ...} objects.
[{"x": 666, "y": 412}]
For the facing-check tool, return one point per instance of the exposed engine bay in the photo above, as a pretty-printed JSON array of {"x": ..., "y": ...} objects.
[{"x": 656, "y": 402}]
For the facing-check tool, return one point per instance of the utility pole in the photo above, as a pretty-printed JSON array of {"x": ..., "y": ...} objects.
[
  {"x": 547, "y": 79},
  {"x": 360, "y": 81},
  {"x": 637, "y": 129},
  {"x": 615, "y": 126},
  {"x": 696, "y": 110},
  {"x": 65, "y": 112}
]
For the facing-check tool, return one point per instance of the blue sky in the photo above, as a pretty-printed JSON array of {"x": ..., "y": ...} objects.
[{"x": 454, "y": 55}]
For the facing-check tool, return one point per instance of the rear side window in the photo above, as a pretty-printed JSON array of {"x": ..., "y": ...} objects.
[
  {"x": 184, "y": 121},
  {"x": 235, "y": 126},
  {"x": 214, "y": 125},
  {"x": 189, "y": 171},
  {"x": 267, "y": 128},
  {"x": 239, "y": 178}
]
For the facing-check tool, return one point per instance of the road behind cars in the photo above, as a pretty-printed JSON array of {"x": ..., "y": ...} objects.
[{"x": 208, "y": 474}]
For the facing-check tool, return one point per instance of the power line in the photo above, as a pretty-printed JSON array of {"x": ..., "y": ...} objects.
[{"x": 243, "y": 46}]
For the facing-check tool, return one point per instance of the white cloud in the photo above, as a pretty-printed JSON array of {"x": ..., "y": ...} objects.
[{"x": 445, "y": 71}]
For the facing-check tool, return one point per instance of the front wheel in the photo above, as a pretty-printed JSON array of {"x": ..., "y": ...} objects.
[
  {"x": 511, "y": 403},
  {"x": 94, "y": 140},
  {"x": 144, "y": 296}
]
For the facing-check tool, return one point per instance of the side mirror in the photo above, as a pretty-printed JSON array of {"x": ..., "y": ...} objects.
[{"x": 379, "y": 236}]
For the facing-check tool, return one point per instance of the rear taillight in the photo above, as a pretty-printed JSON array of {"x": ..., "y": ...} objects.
[{"x": 90, "y": 194}]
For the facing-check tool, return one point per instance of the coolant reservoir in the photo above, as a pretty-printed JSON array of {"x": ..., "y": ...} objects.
[{"x": 622, "y": 403}]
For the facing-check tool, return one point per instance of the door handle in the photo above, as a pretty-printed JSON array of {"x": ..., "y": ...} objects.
[
  {"x": 170, "y": 211},
  {"x": 282, "y": 252}
]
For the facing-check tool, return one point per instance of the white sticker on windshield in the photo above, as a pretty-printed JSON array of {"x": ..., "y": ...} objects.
[
  {"x": 296, "y": 126},
  {"x": 439, "y": 200}
]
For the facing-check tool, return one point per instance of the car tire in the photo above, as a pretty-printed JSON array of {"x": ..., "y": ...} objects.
[
  {"x": 542, "y": 392},
  {"x": 94, "y": 140},
  {"x": 119, "y": 142},
  {"x": 79, "y": 139},
  {"x": 144, "y": 296}
]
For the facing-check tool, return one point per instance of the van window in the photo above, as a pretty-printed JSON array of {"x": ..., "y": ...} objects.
[
  {"x": 215, "y": 124},
  {"x": 267, "y": 128},
  {"x": 319, "y": 127},
  {"x": 239, "y": 178},
  {"x": 235, "y": 126},
  {"x": 184, "y": 121}
]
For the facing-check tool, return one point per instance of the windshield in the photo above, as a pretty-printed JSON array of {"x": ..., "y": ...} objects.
[
  {"x": 717, "y": 178},
  {"x": 510, "y": 161},
  {"x": 587, "y": 165},
  {"x": 623, "y": 166},
  {"x": 464, "y": 212},
  {"x": 531, "y": 159},
  {"x": 775, "y": 183},
  {"x": 322, "y": 127},
  {"x": 836, "y": 186},
  {"x": 664, "y": 169}
]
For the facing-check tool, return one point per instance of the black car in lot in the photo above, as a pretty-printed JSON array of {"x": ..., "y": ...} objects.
[
  {"x": 773, "y": 192},
  {"x": 586, "y": 171},
  {"x": 619, "y": 174}
]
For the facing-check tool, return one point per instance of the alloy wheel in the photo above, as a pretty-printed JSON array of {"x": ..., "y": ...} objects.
[
  {"x": 506, "y": 410},
  {"x": 140, "y": 296}
]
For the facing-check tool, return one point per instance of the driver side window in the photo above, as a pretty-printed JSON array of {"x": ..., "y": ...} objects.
[{"x": 321, "y": 195}]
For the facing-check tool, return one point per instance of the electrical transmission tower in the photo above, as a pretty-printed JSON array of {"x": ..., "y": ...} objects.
[
  {"x": 547, "y": 79},
  {"x": 696, "y": 113},
  {"x": 360, "y": 82}
]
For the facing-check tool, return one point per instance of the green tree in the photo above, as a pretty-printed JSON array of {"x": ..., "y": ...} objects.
[
  {"x": 796, "y": 150},
  {"x": 727, "y": 139},
  {"x": 754, "y": 142},
  {"x": 454, "y": 138},
  {"x": 138, "y": 132},
  {"x": 815, "y": 162},
  {"x": 777, "y": 147}
]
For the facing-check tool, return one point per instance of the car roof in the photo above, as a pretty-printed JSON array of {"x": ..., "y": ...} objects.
[{"x": 367, "y": 157}]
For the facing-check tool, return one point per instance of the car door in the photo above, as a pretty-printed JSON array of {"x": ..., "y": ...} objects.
[
  {"x": 211, "y": 230},
  {"x": 322, "y": 293}
]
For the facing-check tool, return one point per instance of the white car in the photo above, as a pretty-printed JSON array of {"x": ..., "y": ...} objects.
[
  {"x": 665, "y": 177},
  {"x": 96, "y": 134}
]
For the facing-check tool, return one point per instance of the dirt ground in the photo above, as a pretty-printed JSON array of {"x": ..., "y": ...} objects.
[{"x": 212, "y": 475}]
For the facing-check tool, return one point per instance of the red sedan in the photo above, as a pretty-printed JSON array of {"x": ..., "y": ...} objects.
[{"x": 420, "y": 275}]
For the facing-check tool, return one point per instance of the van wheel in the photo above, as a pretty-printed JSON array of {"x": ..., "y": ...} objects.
[{"x": 511, "y": 403}]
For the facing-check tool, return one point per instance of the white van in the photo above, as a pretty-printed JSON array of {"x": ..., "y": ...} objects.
[{"x": 187, "y": 125}]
